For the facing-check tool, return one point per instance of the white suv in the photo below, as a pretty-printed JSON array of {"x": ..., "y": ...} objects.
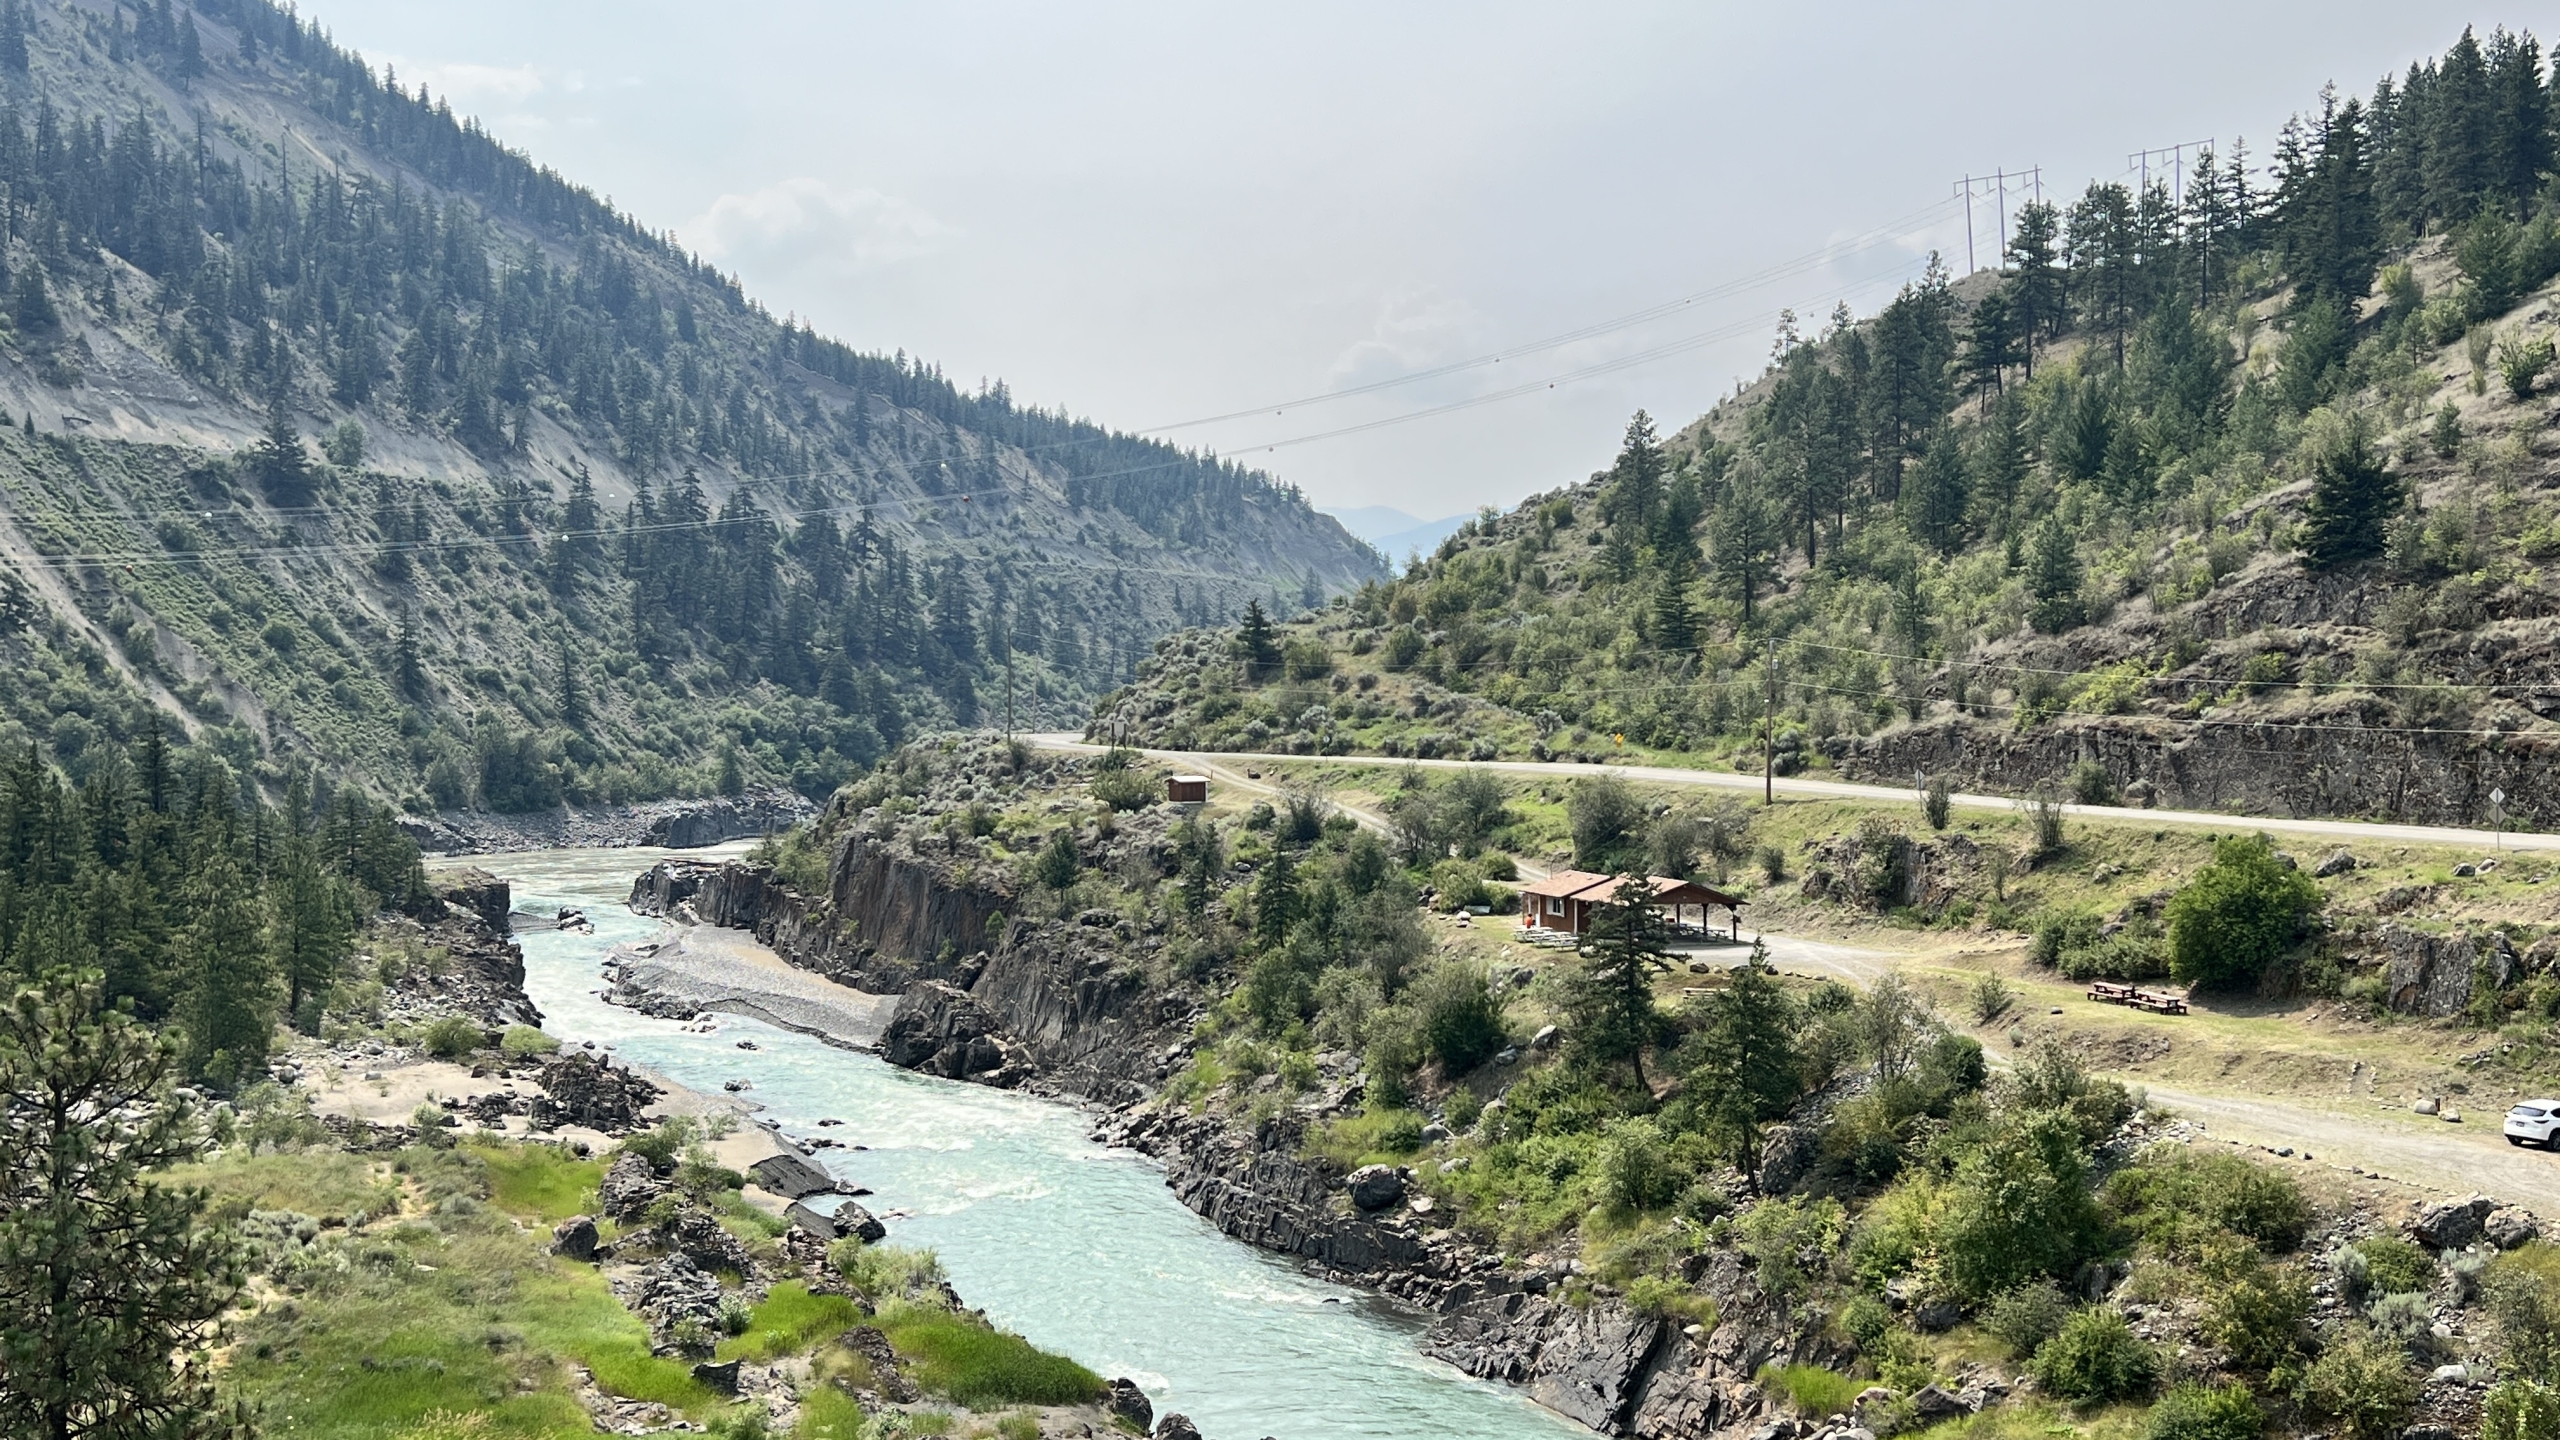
[{"x": 2534, "y": 1122}]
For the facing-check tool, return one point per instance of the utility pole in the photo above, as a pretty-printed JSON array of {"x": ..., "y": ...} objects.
[
  {"x": 1970, "y": 188},
  {"x": 1008, "y": 686},
  {"x": 2177, "y": 157},
  {"x": 1966, "y": 187},
  {"x": 1769, "y": 733}
]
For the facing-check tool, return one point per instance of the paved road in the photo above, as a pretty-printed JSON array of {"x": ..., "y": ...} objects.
[{"x": 1844, "y": 790}]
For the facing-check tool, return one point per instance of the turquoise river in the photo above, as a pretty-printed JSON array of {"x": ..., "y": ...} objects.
[{"x": 1079, "y": 1247}]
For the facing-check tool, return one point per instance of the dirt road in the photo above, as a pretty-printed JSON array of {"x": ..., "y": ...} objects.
[{"x": 2345, "y": 830}]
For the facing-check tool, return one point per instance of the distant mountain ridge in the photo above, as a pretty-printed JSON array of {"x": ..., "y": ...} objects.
[
  {"x": 592, "y": 523},
  {"x": 1392, "y": 532}
]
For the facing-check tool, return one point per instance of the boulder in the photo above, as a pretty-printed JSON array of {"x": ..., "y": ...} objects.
[
  {"x": 790, "y": 1177},
  {"x": 2451, "y": 1224},
  {"x": 871, "y": 1344},
  {"x": 2508, "y": 1227},
  {"x": 584, "y": 1088},
  {"x": 630, "y": 1185},
  {"x": 1375, "y": 1187},
  {"x": 1933, "y": 1403},
  {"x": 722, "y": 1377},
  {"x": 1545, "y": 1039},
  {"x": 480, "y": 895},
  {"x": 575, "y": 1238},
  {"x": 2430, "y": 974},
  {"x": 1787, "y": 1152},
  {"x": 1177, "y": 1427},
  {"x": 834, "y": 1217},
  {"x": 942, "y": 1030},
  {"x": 1874, "y": 1395},
  {"x": 1130, "y": 1403},
  {"x": 1936, "y": 1315},
  {"x": 2338, "y": 863},
  {"x": 675, "y": 1290}
]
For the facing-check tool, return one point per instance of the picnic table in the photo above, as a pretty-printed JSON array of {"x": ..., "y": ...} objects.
[{"x": 2158, "y": 1002}]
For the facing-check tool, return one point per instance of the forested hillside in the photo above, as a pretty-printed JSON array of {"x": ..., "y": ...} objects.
[
  {"x": 341, "y": 434},
  {"x": 2238, "y": 494}
]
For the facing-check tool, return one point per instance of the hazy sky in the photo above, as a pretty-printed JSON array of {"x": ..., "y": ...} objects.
[{"x": 1156, "y": 213}]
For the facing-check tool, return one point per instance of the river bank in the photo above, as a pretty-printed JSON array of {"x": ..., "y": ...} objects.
[
  {"x": 1079, "y": 1247},
  {"x": 673, "y": 824}
]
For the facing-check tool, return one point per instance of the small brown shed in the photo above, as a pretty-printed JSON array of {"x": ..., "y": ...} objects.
[{"x": 1187, "y": 789}]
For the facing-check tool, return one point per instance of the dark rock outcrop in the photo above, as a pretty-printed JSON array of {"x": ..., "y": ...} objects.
[
  {"x": 1177, "y": 1427},
  {"x": 2451, "y": 1224},
  {"x": 2432, "y": 974},
  {"x": 790, "y": 1177},
  {"x": 1130, "y": 1403},
  {"x": 480, "y": 894},
  {"x": 575, "y": 1238},
  {"x": 630, "y": 1186},
  {"x": 941, "y": 1029},
  {"x": 1375, "y": 1187},
  {"x": 720, "y": 1376},
  {"x": 584, "y": 1088},
  {"x": 835, "y": 1217}
]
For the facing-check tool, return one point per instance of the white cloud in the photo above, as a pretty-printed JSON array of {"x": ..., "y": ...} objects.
[
  {"x": 807, "y": 222},
  {"x": 474, "y": 87},
  {"x": 1412, "y": 332}
]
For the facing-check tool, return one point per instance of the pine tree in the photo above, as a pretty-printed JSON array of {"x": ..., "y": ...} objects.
[
  {"x": 1634, "y": 495},
  {"x": 231, "y": 1007},
  {"x": 1675, "y": 620},
  {"x": 13, "y": 37},
  {"x": 408, "y": 672},
  {"x": 1934, "y": 498},
  {"x": 2053, "y": 577},
  {"x": 1746, "y": 542},
  {"x": 284, "y": 471},
  {"x": 2353, "y": 497},
  {"x": 1276, "y": 898},
  {"x": 1610, "y": 1003},
  {"x": 1747, "y": 1072},
  {"x": 32, "y": 308},
  {"x": 1991, "y": 345},
  {"x": 313, "y": 924},
  {"x": 1999, "y": 468},
  {"x": 573, "y": 697},
  {"x": 2037, "y": 291},
  {"x": 1256, "y": 644},
  {"x": 112, "y": 1284}
]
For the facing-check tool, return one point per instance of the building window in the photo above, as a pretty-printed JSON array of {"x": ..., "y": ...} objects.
[{"x": 1555, "y": 904}]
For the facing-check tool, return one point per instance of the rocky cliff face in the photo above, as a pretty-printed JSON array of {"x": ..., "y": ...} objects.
[{"x": 2340, "y": 768}]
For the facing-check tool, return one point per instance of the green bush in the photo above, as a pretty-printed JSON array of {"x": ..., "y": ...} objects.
[
  {"x": 886, "y": 1272},
  {"x": 1458, "y": 1019},
  {"x": 2363, "y": 1382},
  {"x": 2205, "y": 1412},
  {"x": 1636, "y": 1173},
  {"x": 2174, "y": 1190},
  {"x": 2096, "y": 1356},
  {"x": 451, "y": 1037},
  {"x": 2521, "y": 1410},
  {"x": 2238, "y": 915},
  {"x": 2259, "y": 1317},
  {"x": 2394, "y": 1266},
  {"x": 1125, "y": 789},
  {"x": 1058, "y": 864},
  {"x": 2018, "y": 1208},
  {"x": 523, "y": 1042},
  {"x": 2028, "y": 1316}
]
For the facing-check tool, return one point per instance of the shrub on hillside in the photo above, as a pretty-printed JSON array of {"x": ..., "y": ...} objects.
[
  {"x": 2096, "y": 1356},
  {"x": 2173, "y": 1194},
  {"x": 2520, "y": 1410},
  {"x": 2028, "y": 1316},
  {"x": 2238, "y": 915},
  {"x": 1457, "y": 1016},
  {"x": 451, "y": 1037},
  {"x": 2363, "y": 1382},
  {"x": 2205, "y": 1412}
]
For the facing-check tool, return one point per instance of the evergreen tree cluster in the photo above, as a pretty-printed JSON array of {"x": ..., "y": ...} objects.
[
  {"x": 207, "y": 912},
  {"x": 2110, "y": 416}
]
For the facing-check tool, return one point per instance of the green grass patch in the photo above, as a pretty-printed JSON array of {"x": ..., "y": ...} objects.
[
  {"x": 1812, "y": 1390},
  {"x": 982, "y": 1367},
  {"x": 792, "y": 1320},
  {"x": 453, "y": 1312},
  {"x": 827, "y": 1413},
  {"x": 1372, "y": 1137},
  {"x": 540, "y": 1182},
  {"x": 319, "y": 1183}
]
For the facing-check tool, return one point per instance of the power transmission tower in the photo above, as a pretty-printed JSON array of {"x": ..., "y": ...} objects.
[
  {"x": 2177, "y": 156},
  {"x": 1995, "y": 187}
]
